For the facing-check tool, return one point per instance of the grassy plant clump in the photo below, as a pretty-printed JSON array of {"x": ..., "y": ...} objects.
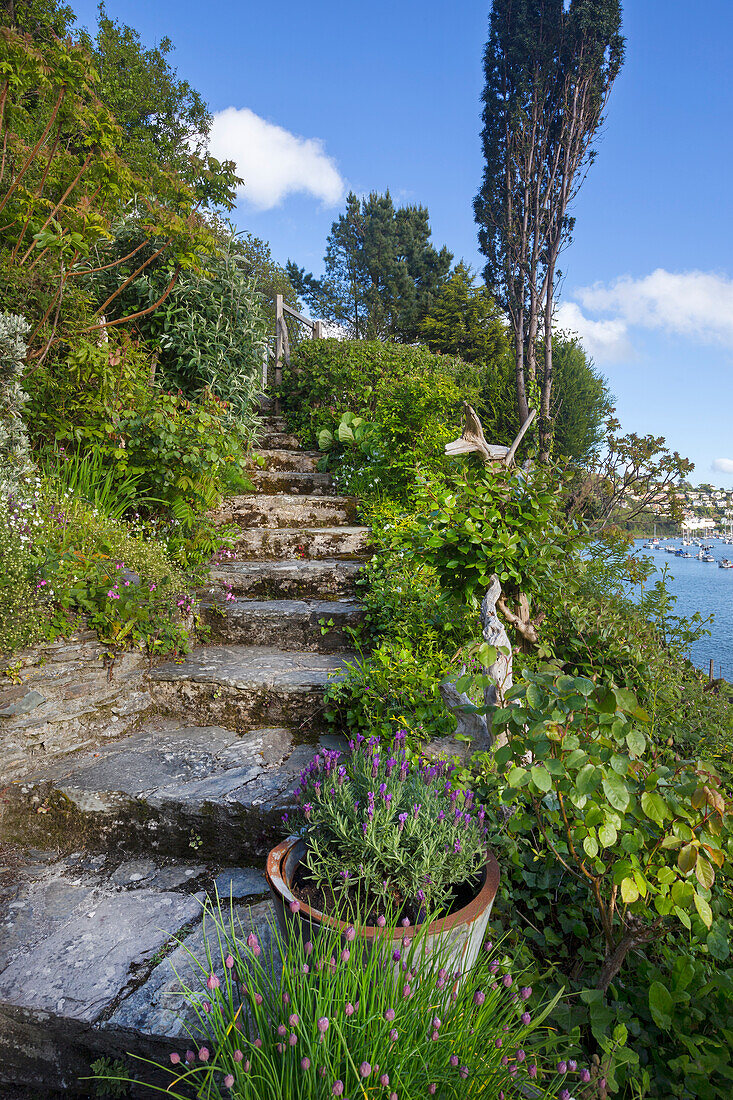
[{"x": 324, "y": 1016}]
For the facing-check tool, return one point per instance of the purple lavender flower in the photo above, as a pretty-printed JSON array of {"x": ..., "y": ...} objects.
[
  {"x": 507, "y": 980},
  {"x": 402, "y": 819},
  {"x": 526, "y": 1019},
  {"x": 585, "y": 1076},
  {"x": 562, "y": 1068}
]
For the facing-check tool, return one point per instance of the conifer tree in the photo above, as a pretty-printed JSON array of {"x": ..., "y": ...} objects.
[{"x": 381, "y": 271}]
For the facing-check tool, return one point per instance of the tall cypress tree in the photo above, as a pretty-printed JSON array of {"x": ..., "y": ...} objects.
[
  {"x": 549, "y": 67},
  {"x": 381, "y": 270}
]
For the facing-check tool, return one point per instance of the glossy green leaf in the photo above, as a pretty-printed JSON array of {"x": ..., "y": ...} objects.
[{"x": 661, "y": 1004}]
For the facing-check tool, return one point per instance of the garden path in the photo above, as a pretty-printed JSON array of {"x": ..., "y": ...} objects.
[{"x": 111, "y": 849}]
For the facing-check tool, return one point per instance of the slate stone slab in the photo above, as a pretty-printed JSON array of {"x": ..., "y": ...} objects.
[
  {"x": 290, "y": 579},
  {"x": 304, "y": 541},
  {"x": 157, "y": 1008},
  {"x": 83, "y": 965}
]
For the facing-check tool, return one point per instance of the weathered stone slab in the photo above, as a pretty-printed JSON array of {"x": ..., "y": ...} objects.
[
  {"x": 286, "y": 510},
  {"x": 306, "y": 461},
  {"x": 318, "y": 625},
  {"x": 71, "y": 697},
  {"x": 240, "y": 687},
  {"x": 171, "y": 790},
  {"x": 302, "y": 542},
  {"x": 294, "y": 579},
  {"x": 293, "y": 481},
  {"x": 279, "y": 441},
  {"x": 157, "y": 1007}
]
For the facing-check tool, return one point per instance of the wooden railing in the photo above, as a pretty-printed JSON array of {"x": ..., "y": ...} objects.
[{"x": 282, "y": 338}]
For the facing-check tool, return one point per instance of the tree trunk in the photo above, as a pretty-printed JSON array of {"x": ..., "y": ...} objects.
[{"x": 635, "y": 937}]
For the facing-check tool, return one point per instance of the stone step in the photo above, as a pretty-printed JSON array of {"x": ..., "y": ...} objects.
[
  {"x": 286, "y": 510},
  {"x": 298, "y": 482},
  {"x": 88, "y": 963},
  {"x": 305, "y": 461},
  {"x": 278, "y": 441},
  {"x": 296, "y": 579},
  {"x": 169, "y": 789},
  {"x": 272, "y": 422},
  {"x": 309, "y": 543},
  {"x": 315, "y": 625},
  {"x": 241, "y": 687}
]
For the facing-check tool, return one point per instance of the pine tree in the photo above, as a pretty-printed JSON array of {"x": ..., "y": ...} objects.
[{"x": 381, "y": 271}]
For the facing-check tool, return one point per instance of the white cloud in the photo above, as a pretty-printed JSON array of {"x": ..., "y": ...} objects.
[
  {"x": 273, "y": 162},
  {"x": 696, "y": 304},
  {"x": 605, "y": 340},
  {"x": 723, "y": 465}
]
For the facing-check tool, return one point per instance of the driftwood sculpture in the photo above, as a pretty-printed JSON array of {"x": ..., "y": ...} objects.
[
  {"x": 472, "y": 438},
  {"x": 470, "y": 724}
]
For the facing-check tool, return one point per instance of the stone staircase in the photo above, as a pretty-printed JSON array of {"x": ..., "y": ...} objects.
[{"x": 107, "y": 852}]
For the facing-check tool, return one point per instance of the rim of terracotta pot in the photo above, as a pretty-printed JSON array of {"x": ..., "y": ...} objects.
[{"x": 465, "y": 915}]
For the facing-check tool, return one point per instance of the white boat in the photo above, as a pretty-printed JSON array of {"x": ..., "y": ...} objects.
[
  {"x": 708, "y": 557},
  {"x": 725, "y": 563}
]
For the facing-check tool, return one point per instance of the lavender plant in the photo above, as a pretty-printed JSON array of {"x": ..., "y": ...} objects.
[
  {"x": 395, "y": 833},
  {"x": 333, "y": 1017}
]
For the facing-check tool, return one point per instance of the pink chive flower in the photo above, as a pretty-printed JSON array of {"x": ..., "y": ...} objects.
[
  {"x": 562, "y": 1068},
  {"x": 228, "y": 1081},
  {"x": 381, "y": 921},
  {"x": 305, "y": 1063},
  {"x": 204, "y": 1054},
  {"x": 322, "y": 1025},
  {"x": 345, "y": 955},
  {"x": 389, "y": 1015},
  {"x": 258, "y": 999},
  {"x": 526, "y": 1019},
  {"x": 384, "y": 1080},
  {"x": 292, "y": 1038},
  {"x": 293, "y": 1019},
  {"x": 238, "y": 1056},
  {"x": 463, "y": 1071},
  {"x": 525, "y": 992},
  {"x": 309, "y": 948},
  {"x": 349, "y": 1009},
  {"x": 479, "y": 997},
  {"x": 190, "y": 1056},
  {"x": 507, "y": 980},
  {"x": 337, "y": 1088},
  {"x": 294, "y": 906},
  {"x": 532, "y": 1071},
  {"x": 365, "y": 1069},
  {"x": 258, "y": 1043},
  {"x": 282, "y": 1031},
  {"x": 454, "y": 1060},
  {"x": 350, "y": 933},
  {"x": 212, "y": 982},
  {"x": 229, "y": 962},
  {"x": 393, "y": 1035},
  {"x": 432, "y": 1089},
  {"x": 175, "y": 1058}
]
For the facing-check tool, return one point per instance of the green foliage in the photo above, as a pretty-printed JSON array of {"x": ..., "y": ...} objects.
[
  {"x": 411, "y": 396},
  {"x": 181, "y": 454},
  {"x": 503, "y": 521},
  {"x": 382, "y": 272},
  {"x": 644, "y": 838},
  {"x": 211, "y": 332},
  {"x": 163, "y": 119},
  {"x": 24, "y": 619},
  {"x": 354, "y": 432},
  {"x": 464, "y": 320},
  {"x": 108, "y": 1073},
  {"x": 354, "y": 1026},
  {"x": 87, "y": 476},
  {"x": 15, "y": 462},
  {"x": 581, "y": 402},
  {"x": 410, "y": 845}
]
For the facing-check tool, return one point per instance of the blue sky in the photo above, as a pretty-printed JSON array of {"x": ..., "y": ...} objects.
[{"x": 330, "y": 96}]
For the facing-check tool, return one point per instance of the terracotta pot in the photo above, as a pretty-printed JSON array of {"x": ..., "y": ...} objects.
[{"x": 463, "y": 930}]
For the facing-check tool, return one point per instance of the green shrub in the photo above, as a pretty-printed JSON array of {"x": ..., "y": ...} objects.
[
  {"x": 24, "y": 614},
  {"x": 412, "y": 397},
  {"x": 15, "y": 461},
  {"x": 182, "y": 454}
]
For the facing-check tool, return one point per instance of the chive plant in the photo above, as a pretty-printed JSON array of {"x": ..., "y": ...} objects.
[{"x": 335, "y": 1016}]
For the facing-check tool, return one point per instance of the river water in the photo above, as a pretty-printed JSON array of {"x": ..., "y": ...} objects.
[{"x": 704, "y": 587}]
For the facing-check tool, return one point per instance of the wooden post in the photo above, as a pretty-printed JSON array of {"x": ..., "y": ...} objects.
[
  {"x": 279, "y": 322},
  {"x": 711, "y": 674},
  {"x": 317, "y": 333}
]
